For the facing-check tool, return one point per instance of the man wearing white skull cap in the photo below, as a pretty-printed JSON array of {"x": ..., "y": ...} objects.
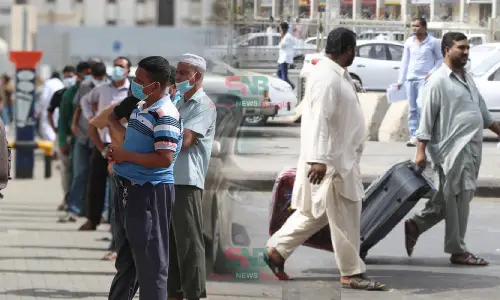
[{"x": 187, "y": 274}]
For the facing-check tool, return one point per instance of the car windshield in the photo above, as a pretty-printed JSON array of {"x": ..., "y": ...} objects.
[{"x": 481, "y": 62}]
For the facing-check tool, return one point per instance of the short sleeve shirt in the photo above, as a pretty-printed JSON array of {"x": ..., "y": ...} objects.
[
  {"x": 158, "y": 127},
  {"x": 199, "y": 115}
]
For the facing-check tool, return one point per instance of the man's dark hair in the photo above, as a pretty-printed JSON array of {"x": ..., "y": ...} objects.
[
  {"x": 449, "y": 38},
  {"x": 422, "y": 21},
  {"x": 55, "y": 74},
  {"x": 68, "y": 69},
  {"x": 82, "y": 66},
  {"x": 129, "y": 64},
  {"x": 339, "y": 40},
  {"x": 171, "y": 77},
  {"x": 99, "y": 69},
  {"x": 157, "y": 67},
  {"x": 284, "y": 26}
]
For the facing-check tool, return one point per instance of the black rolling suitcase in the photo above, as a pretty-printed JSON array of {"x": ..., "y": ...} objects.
[{"x": 388, "y": 200}]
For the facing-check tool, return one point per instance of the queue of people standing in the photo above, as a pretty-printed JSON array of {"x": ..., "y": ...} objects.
[{"x": 136, "y": 154}]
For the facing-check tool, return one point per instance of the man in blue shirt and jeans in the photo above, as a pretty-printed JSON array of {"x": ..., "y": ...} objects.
[
  {"x": 421, "y": 57},
  {"x": 144, "y": 191}
]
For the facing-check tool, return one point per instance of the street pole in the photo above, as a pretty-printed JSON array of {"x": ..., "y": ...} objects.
[
  {"x": 25, "y": 61},
  {"x": 231, "y": 32}
]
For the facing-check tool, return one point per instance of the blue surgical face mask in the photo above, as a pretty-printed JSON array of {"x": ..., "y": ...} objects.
[
  {"x": 69, "y": 81},
  {"x": 87, "y": 78},
  {"x": 185, "y": 86},
  {"x": 176, "y": 97},
  {"x": 138, "y": 91},
  {"x": 118, "y": 73}
]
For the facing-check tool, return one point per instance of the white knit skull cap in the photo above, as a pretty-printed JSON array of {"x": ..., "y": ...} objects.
[{"x": 194, "y": 60}]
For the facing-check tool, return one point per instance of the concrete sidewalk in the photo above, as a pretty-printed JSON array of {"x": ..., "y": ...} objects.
[
  {"x": 259, "y": 171},
  {"x": 41, "y": 259}
]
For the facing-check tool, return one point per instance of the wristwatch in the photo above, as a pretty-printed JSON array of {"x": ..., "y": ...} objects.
[{"x": 104, "y": 151}]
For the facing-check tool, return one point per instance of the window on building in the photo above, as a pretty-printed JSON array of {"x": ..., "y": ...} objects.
[
  {"x": 21, "y": 1},
  {"x": 111, "y": 22},
  {"x": 79, "y": 1},
  {"x": 141, "y": 1},
  {"x": 48, "y": 1},
  {"x": 112, "y": 1}
]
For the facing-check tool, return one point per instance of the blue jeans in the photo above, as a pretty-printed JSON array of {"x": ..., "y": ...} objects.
[
  {"x": 412, "y": 89},
  {"x": 78, "y": 189},
  {"x": 112, "y": 212},
  {"x": 283, "y": 74},
  {"x": 5, "y": 116},
  {"x": 105, "y": 211}
]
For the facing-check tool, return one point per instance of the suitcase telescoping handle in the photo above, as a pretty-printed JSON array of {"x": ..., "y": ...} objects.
[{"x": 418, "y": 169}]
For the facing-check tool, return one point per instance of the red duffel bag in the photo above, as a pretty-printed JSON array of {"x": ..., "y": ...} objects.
[{"x": 281, "y": 210}]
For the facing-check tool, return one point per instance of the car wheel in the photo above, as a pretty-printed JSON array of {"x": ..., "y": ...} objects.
[
  {"x": 357, "y": 80},
  {"x": 255, "y": 121}
]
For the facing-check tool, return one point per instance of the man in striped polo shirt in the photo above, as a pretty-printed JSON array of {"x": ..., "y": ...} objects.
[{"x": 144, "y": 192}]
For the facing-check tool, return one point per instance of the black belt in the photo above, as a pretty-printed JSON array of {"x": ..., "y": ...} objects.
[{"x": 121, "y": 181}]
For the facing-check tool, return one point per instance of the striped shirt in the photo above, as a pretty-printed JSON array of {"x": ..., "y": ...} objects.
[{"x": 158, "y": 127}]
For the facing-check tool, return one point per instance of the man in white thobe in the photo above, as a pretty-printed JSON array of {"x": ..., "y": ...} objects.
[{"x": 328, "y": 189}]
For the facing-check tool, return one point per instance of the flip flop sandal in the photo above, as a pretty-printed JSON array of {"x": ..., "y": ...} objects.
[
  {"x": 360, "y": 283},
  {"x": 278, "y": 270},
  {"x": 409, "y": 239},
  {"x": 470, "y": 260}
]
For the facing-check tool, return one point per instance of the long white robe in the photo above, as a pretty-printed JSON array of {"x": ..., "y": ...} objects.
[{"x": 332, "y": 133}]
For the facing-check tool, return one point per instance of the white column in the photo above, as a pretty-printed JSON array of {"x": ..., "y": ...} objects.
[
  {"x": 332, "y": 14},
  {"x": 405, "y": 10},
  {"x": 464, "y": 11},
  {"x": 495, "y": 8},
  {"x": 314, "y": 9},
  {"x": 274, "y": 9},
  {"x": 356, "y": 9},
  {"x": 435, "y": 10},
  {"x": 380, "y": 9}
]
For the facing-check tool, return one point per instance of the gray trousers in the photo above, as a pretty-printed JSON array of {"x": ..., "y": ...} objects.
[
  {"x": 187, "y": 271},
  {"x": 454, "y": 209},
  {"x": 141, "y": 232}
]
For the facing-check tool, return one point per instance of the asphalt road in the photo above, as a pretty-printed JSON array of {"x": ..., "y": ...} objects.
[{"x": 427, "y": 275}]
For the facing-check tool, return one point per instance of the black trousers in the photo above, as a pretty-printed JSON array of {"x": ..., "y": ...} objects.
[
  {"x": 96, "y": 190},
  {"x": 141, "y": 226},
  {"x": 187, "y": 271}
]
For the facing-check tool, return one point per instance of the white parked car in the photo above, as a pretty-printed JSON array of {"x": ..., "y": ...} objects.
[
  {"x": 276, "y": 97},
  {"x": 485, "y": 69},
  {"x": 257, "y": 50},
  {"x": 375, "y": 67}
]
